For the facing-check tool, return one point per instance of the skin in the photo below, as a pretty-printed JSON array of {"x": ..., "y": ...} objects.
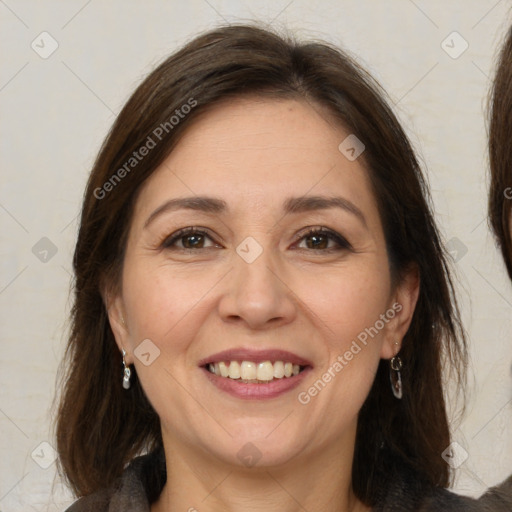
[{"x": 311, "y": 299}]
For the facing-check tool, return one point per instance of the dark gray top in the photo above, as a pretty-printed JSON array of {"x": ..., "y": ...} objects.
[{"x": 142, "y": 481}]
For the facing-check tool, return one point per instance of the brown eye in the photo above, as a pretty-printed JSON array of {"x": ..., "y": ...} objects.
[
  {"x": 192, "y": 241},
  {"x": 319, "y": 239},
  {"x": 188, "y": 238}
]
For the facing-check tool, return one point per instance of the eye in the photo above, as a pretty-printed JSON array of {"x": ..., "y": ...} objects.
[
  {"x": 318, "y": 238},
  {"x": 188, "y": 239}
]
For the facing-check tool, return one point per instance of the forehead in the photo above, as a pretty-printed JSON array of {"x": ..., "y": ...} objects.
[{"x": 257, "y": 151}]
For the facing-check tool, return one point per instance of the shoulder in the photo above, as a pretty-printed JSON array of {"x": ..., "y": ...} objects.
[
  {"x": 139, "y": 485},
  {"x": 498, "y": 498},
  {"x": 406, "y": 494}
]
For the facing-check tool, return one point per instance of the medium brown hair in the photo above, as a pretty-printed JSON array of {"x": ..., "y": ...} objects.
[
  {"x": 101, "y": 426},
  {"x": 500, "y": 153}
]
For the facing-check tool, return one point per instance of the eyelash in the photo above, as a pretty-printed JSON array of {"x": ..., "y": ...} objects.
[{"x": 343, "y": 244}]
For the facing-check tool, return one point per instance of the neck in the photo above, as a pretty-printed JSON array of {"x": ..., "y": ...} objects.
[{"x": 314, "y": 482}]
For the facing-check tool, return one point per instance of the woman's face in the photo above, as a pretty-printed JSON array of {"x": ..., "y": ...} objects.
[{"x": 285, "y": 262}]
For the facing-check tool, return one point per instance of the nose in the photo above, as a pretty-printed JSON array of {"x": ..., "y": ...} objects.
[{"x": 258, "y": 294}]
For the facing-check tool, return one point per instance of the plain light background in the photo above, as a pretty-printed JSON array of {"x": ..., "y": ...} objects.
[{"x": 57, "y": 110}]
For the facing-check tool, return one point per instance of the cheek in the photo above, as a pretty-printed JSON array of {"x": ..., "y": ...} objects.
[
  {"x": 348, "y": 309},
  {"x": 161, "y": 301},
  {"x": 166, "y": 307},
  {"x": 352, "y": 313},
  {"x": 347, "y": 303}
]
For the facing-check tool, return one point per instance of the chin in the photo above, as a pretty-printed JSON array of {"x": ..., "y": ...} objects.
[{"x": 252, "y": 449}]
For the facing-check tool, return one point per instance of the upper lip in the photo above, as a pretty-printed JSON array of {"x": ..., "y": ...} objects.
[{"x": 255, "y": 356}]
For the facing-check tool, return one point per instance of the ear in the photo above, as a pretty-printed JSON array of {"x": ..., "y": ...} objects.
[
  {"x": 116, "y": 317},
  {"x": 403, "y": 303}
]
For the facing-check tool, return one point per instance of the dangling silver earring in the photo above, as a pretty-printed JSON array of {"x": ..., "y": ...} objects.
[
  {"x": 127, "y": 373},
  {"x": 395, "y": 376}
]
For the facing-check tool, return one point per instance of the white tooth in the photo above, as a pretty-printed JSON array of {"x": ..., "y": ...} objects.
[
  {"x": 234, "y": 370},
  {"x": 265, "y": 371},
  {"x": 278, "y": 369},
  {"x": 248, "y": 370},
  {"x": 254, "y": 372},
  {"x": 224, "y": 370},
  {"x": 211, "y": 367}
]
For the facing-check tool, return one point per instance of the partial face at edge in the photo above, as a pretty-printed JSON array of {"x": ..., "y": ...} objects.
[{"x": 305, "y": 281}]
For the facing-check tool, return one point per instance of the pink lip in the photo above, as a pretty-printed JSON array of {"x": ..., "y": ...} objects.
[
  {"x": 256, "y": 356},
  {"x": 272, "y": 389}
]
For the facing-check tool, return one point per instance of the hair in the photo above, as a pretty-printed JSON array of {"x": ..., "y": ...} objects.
[
  {"x": 100, "y": 426},
  {"x": 500, "y": 154}
]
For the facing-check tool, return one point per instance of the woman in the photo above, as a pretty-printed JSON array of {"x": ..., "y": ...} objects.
[{"x": 262, "y": 300}]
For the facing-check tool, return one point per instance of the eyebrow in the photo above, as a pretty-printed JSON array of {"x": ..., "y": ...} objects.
[
  {"x": 312, "y": 203},
  {"x": 291, "y": 205},
  {"x": 198, "y": 203}
]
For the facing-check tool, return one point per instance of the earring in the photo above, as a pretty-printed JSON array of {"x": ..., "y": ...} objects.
[
  {"x": 395, "y": 376},
  {"x": 126, "y": 374}
]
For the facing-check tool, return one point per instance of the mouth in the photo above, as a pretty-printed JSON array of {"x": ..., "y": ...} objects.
[
  {"x": 255, "y": 366},
  {"x": 255, "y": 374}
]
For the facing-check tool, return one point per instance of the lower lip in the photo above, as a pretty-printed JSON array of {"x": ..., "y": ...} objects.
[{"x": 272, "y": 389}]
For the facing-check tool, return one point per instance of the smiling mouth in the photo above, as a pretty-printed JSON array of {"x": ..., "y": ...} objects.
[{"x": 250, "y": 372}]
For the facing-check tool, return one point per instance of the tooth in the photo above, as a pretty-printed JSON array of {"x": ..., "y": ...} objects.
[
  {"x": 248, "y": 370},
  {"x": 265, "y": 371},
  {"x": 279, "y": 369},
  {"x": 234, "y": 370},
  {"x": 224, "y": 370}
]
